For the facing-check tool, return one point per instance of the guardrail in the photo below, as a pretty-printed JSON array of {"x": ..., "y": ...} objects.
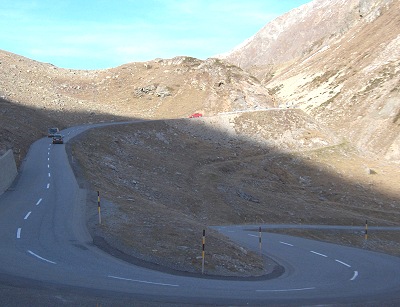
[{"x": 8, "y": 170}]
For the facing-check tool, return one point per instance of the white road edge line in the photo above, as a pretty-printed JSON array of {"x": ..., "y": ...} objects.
[
  {"x": 38, "y": 202},
  {"x": 27, "y": 215},
  {"x": 41, "y": 258},
  {"x": 319, "y": 254},
  {"x": 252, "y": 235},
  {"x": 285, "y": 243},
  {"x": 354, "y": 276},
  {"x": 287, "y": 290},
  {"x": 143, "y": 281},
  {"x": 19, "y": 233},
  {"x": 345, "y": 264}
]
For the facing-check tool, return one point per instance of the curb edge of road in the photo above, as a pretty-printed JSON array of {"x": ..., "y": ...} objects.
[{"x": 102, "y": 244}]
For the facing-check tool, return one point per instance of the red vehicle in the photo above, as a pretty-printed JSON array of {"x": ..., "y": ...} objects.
[{"x": 194, "y": 115}]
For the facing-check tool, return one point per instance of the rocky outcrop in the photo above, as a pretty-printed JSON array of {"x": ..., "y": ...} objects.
[{"x": 152, "y": 89}]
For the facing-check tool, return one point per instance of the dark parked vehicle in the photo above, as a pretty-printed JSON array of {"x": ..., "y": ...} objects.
[
  {"x": 58, "y": 139},
  {"x": 52, "y": 132}
]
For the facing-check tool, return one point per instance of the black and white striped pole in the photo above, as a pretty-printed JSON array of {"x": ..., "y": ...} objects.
[
  {"x": 98, "y": 206},
  {"x": 366, "y": 230},
  {"x": 259, "y": 239},
  {"x": 202, "y": 254}
]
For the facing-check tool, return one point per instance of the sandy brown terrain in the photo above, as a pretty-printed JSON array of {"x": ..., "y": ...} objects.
[{"x": 166, "y": 181}]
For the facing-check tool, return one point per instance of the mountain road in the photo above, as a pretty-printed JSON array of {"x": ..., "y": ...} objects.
[{"x": 47, "y": 256}]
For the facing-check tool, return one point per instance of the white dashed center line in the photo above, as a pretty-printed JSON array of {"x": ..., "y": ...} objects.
[
  {"x": 322, "y": 255},
  {"x": 143, "y": 281},
  {"x": 287, "y": 290},
  {"x": 345, "y": 264},
  {"x": 27, "y": 215},
  {"x": 18, "y": 233},
  {"x": 286, "y": 243}
]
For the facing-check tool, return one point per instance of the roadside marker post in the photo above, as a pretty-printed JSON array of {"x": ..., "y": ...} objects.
[
  {"x": 259, "y": 239},
  {"x": 366, "y": 229},
  {"x": 98, "y": 206},
  {"x": 202, "y": 253}
]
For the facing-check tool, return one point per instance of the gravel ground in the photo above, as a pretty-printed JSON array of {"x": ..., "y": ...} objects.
[{"x": 163, "y": 183}]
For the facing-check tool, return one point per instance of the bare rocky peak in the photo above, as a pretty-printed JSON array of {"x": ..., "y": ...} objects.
[
  {"x": 353, "y": 83},
  {"x": 340, "y": 62},
  {"x": 302, "y": 31}
]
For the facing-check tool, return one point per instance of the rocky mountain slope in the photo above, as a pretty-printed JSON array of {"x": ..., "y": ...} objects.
[
  {"x": 40, "y": 95},
  {"x": 155, "y": 89},
  {"x": 339, "y": 61},
  {"x": 296, "y": 33},
  {"x": 332, "y": 68},
  {"x": 163, "y": 182}
]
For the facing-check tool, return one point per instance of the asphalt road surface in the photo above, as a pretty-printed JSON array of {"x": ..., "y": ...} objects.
[{"x": 47, "y": 257}]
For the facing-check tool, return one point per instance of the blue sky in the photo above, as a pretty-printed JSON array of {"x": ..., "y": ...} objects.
[{"x": 97, "y": 34}]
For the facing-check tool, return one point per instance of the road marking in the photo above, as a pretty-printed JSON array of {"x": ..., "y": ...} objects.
[
  {"x": 318, "y": 254},
  {"x": 143, "y": 281},
  {"x": 287, "y": 290},
  {"x": 354, "y": 276},
  {"x": 48, "y": 185},
  {"x": 49, "y": 175},
  {"x": 345, "y": 264},
  {"x": 41, "y": 258},
  {"x": 286, "y": 243},
  {"x": 252, "y": 235},
  {"x": 48, "y": 159},
  {"x": 48, "y": 165},
  {"x": 27, "y": 215},
  {"x": 19, "y": 233},
  {"x": 38, "y": 202}
]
